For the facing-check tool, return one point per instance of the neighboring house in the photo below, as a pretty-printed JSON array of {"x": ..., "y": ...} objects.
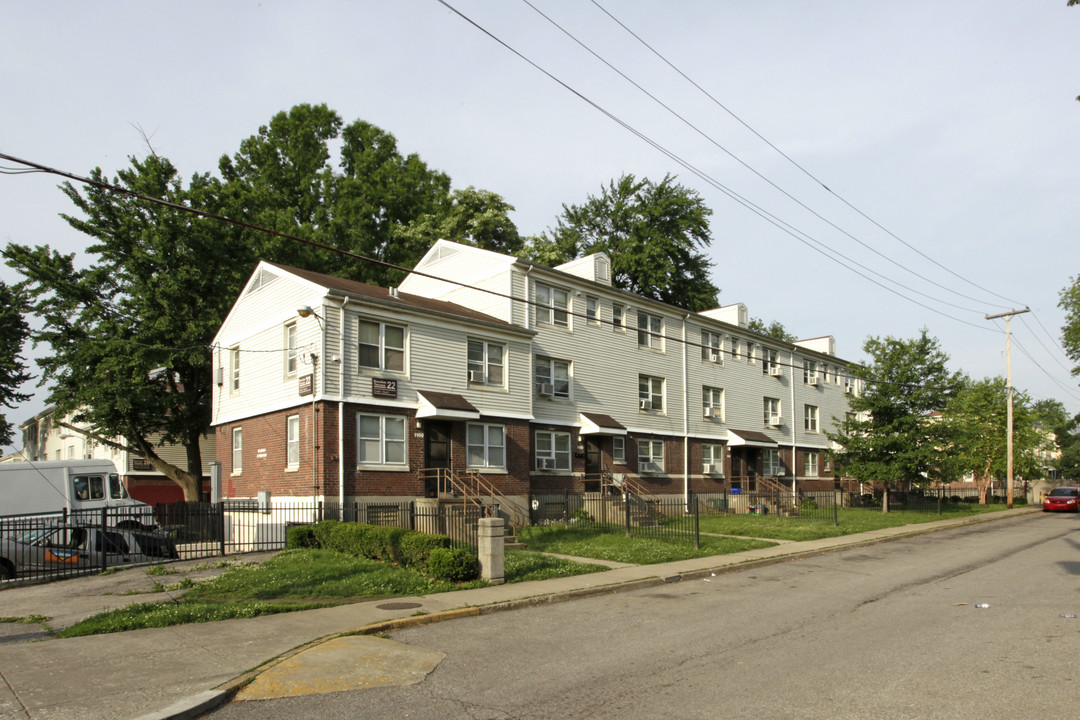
[
  {"x": 554, "y": 380},
  {"x": 46, "y": 439}
]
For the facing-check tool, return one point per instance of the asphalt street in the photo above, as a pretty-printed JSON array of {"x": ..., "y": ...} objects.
[{"x": 886, "y": 631}]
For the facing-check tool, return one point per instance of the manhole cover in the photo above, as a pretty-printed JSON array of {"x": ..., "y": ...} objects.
[{"x": 398, "y": 606}]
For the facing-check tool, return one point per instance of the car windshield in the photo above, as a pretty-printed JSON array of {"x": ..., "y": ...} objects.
[{"x": 1065, "y": 492}]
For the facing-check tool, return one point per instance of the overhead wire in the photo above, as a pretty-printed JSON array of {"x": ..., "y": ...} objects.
[
  {"x": 801, "y": 168},
  {"x": 768, "y": 180},
  {"x": 761, "y": 212},
  {"x": 382, "y": 263}
]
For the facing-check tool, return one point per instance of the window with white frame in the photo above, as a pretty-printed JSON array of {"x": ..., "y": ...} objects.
[
  {"x": 486, "y": 363},
  {"x": 292, "y": 351},
  {"x": 592, "y": 310},
  {"x": 603, "y": 269},
  {"x": 849, "y": 385},
  {"x": 650, "y": 393},
  {"x": 772, "y": 411},
  {"x": 380, "y": 439},
  {"x": 618, "y": 450},
  {"x": 751, "y": 353},
  {"x": 485, "y": 446},
  {"x": 712, "y": 403},
  {"x": 770, "y": 361},
  {"x": 234, "y": 369},
  {"x": 380, "y": 346},
  {"x": 824, "y": 374},
  {"x": 712, "y": 347},
  {"x": 292, "y": 441},
  {"x": 770, "y": 463},
  {"x": 237, "y": 450},
  {"x": 617, "y": 321},
  {"x": 650, "y": 331},
  {"x": 810, "y": 418},
  {"x": 810, "y": 464},
  {"x": 552, "y": 377},
  {"x": 734, "y": 348},
  {"x": 552, "y": 450},
  {"x": 552, "y": 305},
  {"x": 810, "y": 374},
  {"x": 650, "y": 455},
  {"x": 712, "y": 459}
]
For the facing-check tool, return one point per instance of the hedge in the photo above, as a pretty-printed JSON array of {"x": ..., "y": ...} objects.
[{"x": 407, "y": 548}]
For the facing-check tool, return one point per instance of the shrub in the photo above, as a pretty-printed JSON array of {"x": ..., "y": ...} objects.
[
  {"x": 323, "y": 530},
  {"x": 971, "y": 499},
  {"x": 808, "y": 504},
  {"x": 348, "y": 538},
  {"x": 954, "y": 498},
  {"x": 453, "y": 565},
  {"x": 301, "y": 536},
  {"x": 416, "y": 547}
]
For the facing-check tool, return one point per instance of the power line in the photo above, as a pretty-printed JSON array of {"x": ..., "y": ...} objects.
[
  {"x": 761, "y": 212},
  {"x": 767, "y": 180},
  {"x": 800, "y": 167}
]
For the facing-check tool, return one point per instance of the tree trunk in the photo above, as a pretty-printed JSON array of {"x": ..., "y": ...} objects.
[
  {"x": 190, "y": 484},
  {"x": 885, "y": 500}
]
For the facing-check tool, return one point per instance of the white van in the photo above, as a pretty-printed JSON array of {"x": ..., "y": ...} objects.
[{"x": 81, "y": 487}]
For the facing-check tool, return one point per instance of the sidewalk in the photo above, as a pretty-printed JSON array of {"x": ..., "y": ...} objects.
[{"x": 182, "y": 671}]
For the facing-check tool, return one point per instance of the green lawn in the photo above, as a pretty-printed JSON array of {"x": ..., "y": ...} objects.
[
  {"x": 617, "y": 547},
  {"x": 852, "y": 520},
  {"x": 301, "y": 580}
]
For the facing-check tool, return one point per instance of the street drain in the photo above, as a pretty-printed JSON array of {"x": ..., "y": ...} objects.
[{"x": 398, "y": 606}]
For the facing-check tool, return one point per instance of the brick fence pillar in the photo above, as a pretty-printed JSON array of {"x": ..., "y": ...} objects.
[{"x": 492, "y": 549}]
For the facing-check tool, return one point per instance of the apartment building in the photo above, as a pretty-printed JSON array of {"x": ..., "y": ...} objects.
[{"x": 540, "y": 379}]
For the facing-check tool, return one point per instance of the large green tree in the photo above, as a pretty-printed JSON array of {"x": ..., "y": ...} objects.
[
  {"x": 655, "y": 234},
  {"x": 1051, "y": 417},
  {"x": 893, "y": 435},
  {"x": 775, "y": 330},
  {"x": 978, "y": 417},
  {"x": 14, "y": 332},
  {"x": 1070, "y": 332},
  {"x": 129, "y": 334},
  {"x": 375, "y": 202}
]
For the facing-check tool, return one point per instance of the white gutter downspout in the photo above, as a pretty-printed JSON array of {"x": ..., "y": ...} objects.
[
  {"x": 794, "y": 431},
  {"x": 341, "y": 409},
  {"x": 686, "y": 418}
]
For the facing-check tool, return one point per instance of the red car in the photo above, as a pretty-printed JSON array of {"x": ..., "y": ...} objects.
[{"x": 1063, "y": 498}]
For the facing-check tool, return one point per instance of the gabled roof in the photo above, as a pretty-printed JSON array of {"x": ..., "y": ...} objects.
[{"x": 388, "y": 295}]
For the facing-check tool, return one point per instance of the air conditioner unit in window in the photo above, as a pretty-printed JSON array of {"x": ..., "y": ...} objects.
[
  {"x": 547, "y": 463},
  {"x": 714, "y": 356},
  {"x": 545, "y": 389},
  {"x": 812, "y": 381},
  {"x": 709, "y": 412},
  {"x": 650, "y": 467},
  {"x": 476, "y": 376},
  {"x": 776, "y": 370},
  {"x": 645, "y": 404},
  {"x": 775, "y": 421},
  {"x": 711, "y": 470}
]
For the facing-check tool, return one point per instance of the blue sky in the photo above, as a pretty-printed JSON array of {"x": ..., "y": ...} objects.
[{"x": 952, "y": 128}]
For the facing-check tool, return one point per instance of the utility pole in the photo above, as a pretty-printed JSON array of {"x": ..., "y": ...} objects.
[{"x": 1009, "y": 392}]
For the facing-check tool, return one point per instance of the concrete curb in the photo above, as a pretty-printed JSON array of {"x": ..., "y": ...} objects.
[{"x": 213, "y": 699}]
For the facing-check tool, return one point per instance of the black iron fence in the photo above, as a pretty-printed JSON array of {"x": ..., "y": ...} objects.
[{"x": 636, "y": 516}]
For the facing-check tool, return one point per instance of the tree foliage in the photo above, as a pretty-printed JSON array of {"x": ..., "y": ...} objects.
[
  {"x": 892, "y": 435},
  {"x": 654, "y": 234},
  {"x": 775, "y": 330},
  {"x": 978, "y": 416},
  {"x": 1070, "y": 331},
  {"x": 14, "y": 331},
  {"x": 161, "y": 283},
  {"x": 377, "y": 202}
]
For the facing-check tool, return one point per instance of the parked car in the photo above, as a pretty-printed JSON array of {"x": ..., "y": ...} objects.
[
  {"x": 1063, "y": 498},
  {"x": 62, "y": 549}
]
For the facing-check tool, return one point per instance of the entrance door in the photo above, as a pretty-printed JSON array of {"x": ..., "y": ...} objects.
[
  {"x": 594, "y": 464},
  {"x": 436, "y": 453}
]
